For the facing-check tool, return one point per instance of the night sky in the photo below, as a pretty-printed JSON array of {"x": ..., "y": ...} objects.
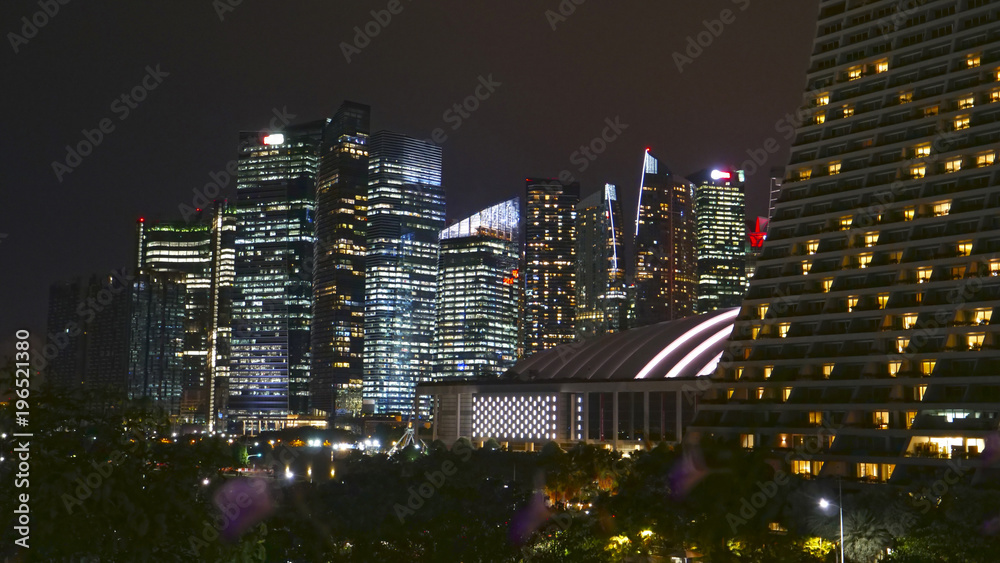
[{"x": 606, "y": 60}]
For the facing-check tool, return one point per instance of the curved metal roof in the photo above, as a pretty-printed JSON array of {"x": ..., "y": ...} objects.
[{"x": 682, "y": 348}]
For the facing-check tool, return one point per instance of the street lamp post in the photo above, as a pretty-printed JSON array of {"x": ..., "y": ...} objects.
[{"x": 824, "y": 504}]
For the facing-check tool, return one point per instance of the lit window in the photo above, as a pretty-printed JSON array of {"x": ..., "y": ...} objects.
[
  {"x": 854, "y": 73},
  {"x": 910, "y": 417},
  {"x": 975, "y": 341},
  {"x": 921, "y": 151},
  {"x": 848, "y": 110},
  {"x": 909, "y": 319},
  {"x": 805, "y": 173},
  {"x": 972, "y": 61},
  {"x": 871, "y": 239},
  {"x": 918, "y": 171},
  {"x": 729, "y": 393},
  {"x": 767, "y": 372},
  {"x": 966, "y": 103},
  {"x": 864, "y": 259},
  {"x": 995, "y": 267},
  {"x": 845, "y": 222},
  {"x": 895, "y": 256},
  {"x": 815, "y": 417},
  {"x": 982, "y": 316},
  {"x": 930, "y": 110},
  {"x": 901, "y": 343},
  {"x": 827, "y": 370},
  {"x": 828, "y": 282},
  {"x": 868, "y": 471},
  {"x": 906, "y": 97},
  {"x": 783, "y": 329},
  {"x": 986, "y": 158},
  {"x": 812, "y": 246},
  {"x": 834, "y": 168},
  {"x": 927, "y": 367},
  {"x": 819, "y": 118},
  {"x": 852, "y": 302},
  {"x": 942, "y": 208},
  {"x": 822, "y": 99},
  {"x": 760, "y": 393},
  {"x": 746, "y": 440},
  {"x": 883, "y": 300},
  {"x": 909, "y": 213},
  {"x": 754, "y": 332},
  {"x": 919, "y": 391},
  {"x": 961, "y": 122},
  {"x": 894, "y": 367},
  {"x": 806, "y": 266},
  {"x": 995, "y": 95},
  {"x": 762, "y": 310},
  {"x": 738, "y": 374},
  {"x": 880, "y": 419},
  {"x": 785, "y": 393},
  {"x": 882, "y": 66},
  {"x": 953, "y": 165},
  {"x": 965, "y": 248},
  {"x": 924, "y": 274}
]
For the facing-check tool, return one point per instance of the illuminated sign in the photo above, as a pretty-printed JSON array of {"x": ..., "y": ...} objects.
[
  {"x": 275, "y": 139},
  {"x": 720, "y": 175}
]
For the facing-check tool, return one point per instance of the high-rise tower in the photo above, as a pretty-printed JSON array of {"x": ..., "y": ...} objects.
[
  {"x": 601, "y": 305},
  {"x": 272, "y": 306},
  {"x": 550, "y": 264},
  {"x": 406, "y": 210},
  {"x": 867, "y": 338},
  {"x": 479, "y": 294},
  {"x": 339, "y": 267},
  {"x": 665, "y": 275},
  {"x": 720, "y": 216}
]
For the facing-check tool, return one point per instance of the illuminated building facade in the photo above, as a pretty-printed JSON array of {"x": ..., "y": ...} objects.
[
  {"x": 221, "y": 310},
  {"x": 550, "y": 264},
  {"x": 601, "y": 305},
  {"x": 867, "y": 338},
  {"x": 406, "y": 211},
  {"x": 339, "y": 266},
  {"x": 720, "y": 216},
  {"x": 479, "y": 293},
  {"x": 183, "y": 248},
  {"x": 665, "y": 275},
  {"x": 272, "y": 303}
]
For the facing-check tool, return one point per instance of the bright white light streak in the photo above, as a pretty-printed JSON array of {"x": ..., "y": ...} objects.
[
  {"x": 685, "y": 338},
  {"x": 699, "y": 350}
]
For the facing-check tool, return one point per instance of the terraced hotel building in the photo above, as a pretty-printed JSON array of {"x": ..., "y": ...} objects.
[{"x": 865, "y": 347}]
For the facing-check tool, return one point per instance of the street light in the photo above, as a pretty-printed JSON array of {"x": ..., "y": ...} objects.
[{"x": 824, "y": 504}]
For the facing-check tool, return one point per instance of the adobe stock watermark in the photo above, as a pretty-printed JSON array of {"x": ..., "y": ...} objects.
[
  {"x": 563, "y": 11},
  {"x": 696, "y": 44},
  {"x": 589, "y": 152},
  {"x": 219, "y": 180},
  {"x": 460, "y": 111},
  {"x": 363, "y": 35},
  {"x": 223, "y": 7},
  {"x": 122, "y": 107},
  {"x": 433, "y": 481},
  {"x": 31, "y": 25}
]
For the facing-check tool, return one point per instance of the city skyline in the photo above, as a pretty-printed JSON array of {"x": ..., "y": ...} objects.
[{"x": 474, "y": 153}]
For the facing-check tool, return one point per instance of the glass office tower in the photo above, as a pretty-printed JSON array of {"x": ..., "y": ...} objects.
[
  {"x": 720, "y": 216},
  {"x": 272, "y": 305},
  {"x": 550, "y": 264},
  {"x": 666, "y": 270},
  {"x": 339, "y": 267},
  {"x": 406, "y": 207},
  {"x": 601, "y": 305},
  {"x": 479, "y": 294}
]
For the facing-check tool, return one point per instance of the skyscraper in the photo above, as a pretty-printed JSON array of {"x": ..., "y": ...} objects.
[
  {"x": 867, "y": 336},
  {"x": 479, "y": 293},
  {"x": 720, "y": 216},
  {"x": 272, "y": 305},
  {"x": 185, "y": 249},
  {"x": 601, "y": 305},
  {"x": 221, "y": 309},
  {"x": 157, "y": 333},
  {"x": 666, "y": 274},
  {"x": 406, "y": 209},
  {"x": 339, "y": 267},
  {"x": 550, "y": 264}
]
